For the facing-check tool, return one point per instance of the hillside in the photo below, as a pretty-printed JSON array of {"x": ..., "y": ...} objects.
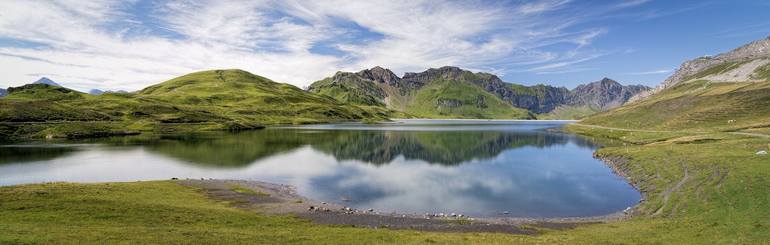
[
  {"x": 730, "y": 91},
  {"x": 453, "y": 92},
  {"x": 448, "y": 92},
  {"x": 748, "y": 63},
  {"x": 220, "y": 99}
]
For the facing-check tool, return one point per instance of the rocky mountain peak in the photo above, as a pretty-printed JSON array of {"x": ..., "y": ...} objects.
[
  {"x": 45, "y": 80},
  {"x": 381, "y": 75},
  {"x": 604, "y": 94}
]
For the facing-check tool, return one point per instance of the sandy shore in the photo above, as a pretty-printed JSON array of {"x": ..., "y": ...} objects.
[{"x": 280, "y": 199}]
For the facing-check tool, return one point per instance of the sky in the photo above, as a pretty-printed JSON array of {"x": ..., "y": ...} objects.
[{"x": 132, "y": 44}]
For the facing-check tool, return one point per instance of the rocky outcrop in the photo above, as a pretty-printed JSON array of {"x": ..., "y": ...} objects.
[
  {"x": 746, "y": 59},
  {"x": 604, "y": 94},
  {"x": 45, "y": 80}
]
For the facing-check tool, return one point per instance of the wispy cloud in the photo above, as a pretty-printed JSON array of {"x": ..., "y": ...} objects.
[
  {"x": 115, "y": 44},
  {"x": 654, "y": 72}
]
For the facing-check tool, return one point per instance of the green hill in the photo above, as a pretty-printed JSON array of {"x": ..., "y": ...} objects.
[
  {"x": 455, "y": 99},
  {"x": 208, "y": 100}
]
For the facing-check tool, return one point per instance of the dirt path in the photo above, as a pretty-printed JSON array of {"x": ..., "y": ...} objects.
[
  {"x": 667, "y": 193},
  {"x": 751, "y": 134},
  {"x": 623, "y": 129}
]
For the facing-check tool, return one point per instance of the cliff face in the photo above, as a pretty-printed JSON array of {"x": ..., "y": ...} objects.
[{"x": 377, "y": 86}]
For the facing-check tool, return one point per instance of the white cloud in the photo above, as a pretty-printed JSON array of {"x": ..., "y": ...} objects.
[
  {"x": 660, "y": 71},
  {"x": 107, "y": 45}
]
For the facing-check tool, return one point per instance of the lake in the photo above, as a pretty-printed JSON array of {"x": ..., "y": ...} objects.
[{"x": 474, "y": 167}]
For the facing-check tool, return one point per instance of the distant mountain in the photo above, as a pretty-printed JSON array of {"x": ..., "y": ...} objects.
[
  {"x": 45, "y": 80},
  {"x": 603, "y": 94},
  {"x": 453, "y": 92},
  {"x": 748, "y": 63},
  {"x": 3, "y": 92},
  {"x": 726, "y": 92},
  {"x": 95, "y": 92}
]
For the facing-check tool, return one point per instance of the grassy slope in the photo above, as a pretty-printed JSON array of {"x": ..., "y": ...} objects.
[
  {"x": 569, "y": 112},
  {"x": 426, "y": 100},
  {"x": 239, "y": 95},
  {"x": 703, "y": 183},
  {"x": 699, "y": 105},
  {"x": 350, "y": 91},
  {"x": 221, "y": 99}
]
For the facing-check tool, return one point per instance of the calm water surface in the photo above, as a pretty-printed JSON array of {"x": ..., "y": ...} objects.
[{"x": 480, "y": 168}]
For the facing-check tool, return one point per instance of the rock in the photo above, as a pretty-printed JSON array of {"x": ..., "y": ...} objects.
[{"x": 762, "y": 153}]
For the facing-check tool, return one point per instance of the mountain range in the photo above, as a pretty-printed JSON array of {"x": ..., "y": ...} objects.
[{"x": 451, "y": 92}]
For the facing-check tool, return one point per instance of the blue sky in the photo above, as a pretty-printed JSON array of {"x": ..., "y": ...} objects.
[{"x": 132, "y": 44}]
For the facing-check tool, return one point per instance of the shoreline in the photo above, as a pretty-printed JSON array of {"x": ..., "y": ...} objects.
[{"x": 282, "y": 199}]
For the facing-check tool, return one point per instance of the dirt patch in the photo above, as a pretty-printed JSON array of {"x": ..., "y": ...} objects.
[{"x": 272, "y": 198}]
